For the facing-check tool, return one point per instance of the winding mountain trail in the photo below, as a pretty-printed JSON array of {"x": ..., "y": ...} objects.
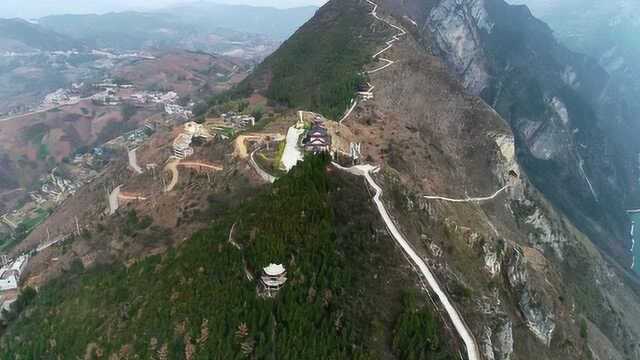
[
  {"x": 263, "y": 174},
  {"x": 376, "y": 56},
  {"x": 401, "y": 32},
  {"x": 172, "y": 167},
  {"x": 468, "y": 199},
  {"x": 131, "y": 197},
  {"x": 473, "y": 352}
]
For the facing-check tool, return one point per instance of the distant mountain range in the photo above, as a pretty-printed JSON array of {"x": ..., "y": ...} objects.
[
  {"x": 32, "y": 9},
  {"x": 17, "y": 35},
  {"x": 276, "y": 23},
  {"x": 137, "y": 29},
  {"x": 194, "y": 26},
  {"x": 608, "y": 31}
]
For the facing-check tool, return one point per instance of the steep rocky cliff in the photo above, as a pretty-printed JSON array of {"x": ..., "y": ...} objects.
[
  {"x": 571, "y": 131},
  {"x": 536, "y": 286},
  {"x": 608, "y": 32}
]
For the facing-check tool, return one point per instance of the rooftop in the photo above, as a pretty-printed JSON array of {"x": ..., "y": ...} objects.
[{"x": 274, "y": 270}]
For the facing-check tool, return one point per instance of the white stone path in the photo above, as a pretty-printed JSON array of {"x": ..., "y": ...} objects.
[{"x": 473, "y": 352}]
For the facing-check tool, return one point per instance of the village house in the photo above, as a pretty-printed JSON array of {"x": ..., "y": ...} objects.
[
  {"x": 239, "y": 120},
  {"x": 182, "y": 146},
  {"x": 10, "y": 273}
]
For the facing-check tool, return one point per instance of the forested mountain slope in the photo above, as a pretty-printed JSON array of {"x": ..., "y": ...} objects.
[
  {"x": 319, "y": 67},
  {"x": 17, "y": 35},
  {"x": 349, "y": 293}
]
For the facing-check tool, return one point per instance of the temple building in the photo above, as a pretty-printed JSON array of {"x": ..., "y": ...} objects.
[
  {"x": 317, "y": 140},
  {"x": 273, "y": 279}
]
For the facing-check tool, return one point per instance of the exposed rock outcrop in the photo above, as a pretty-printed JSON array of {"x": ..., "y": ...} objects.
[
  {"x": 456, "y": 26},
  {"x": 538, "y": 315},
  {"x": 551, "y": 98}
]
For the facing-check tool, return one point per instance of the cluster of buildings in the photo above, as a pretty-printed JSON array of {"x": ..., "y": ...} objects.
[
  {"x": 239, "y": 121},
  {"x": 110, "y": 54},
  {"x": 112, "y": 84},
  {"x": 178, "y": 110},
  {"x": 154, "y": 97},
  {"x": 60, "y": 97},
  {"x": 56, "y": 188},
  {"x": 182, "y": 143},
  {"x": 130, "y": 140},
  {"x": 111, "y": 95},
  {"x": 107, "y": 97},
  {"x": 320, "y": 138},
  {"x": 167, "y": 99}
]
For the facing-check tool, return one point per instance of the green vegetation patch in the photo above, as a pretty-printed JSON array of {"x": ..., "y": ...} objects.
[
  {"x": 319, "y": 68},
  {"x": 35, "y": 133},
  {"x": 341, "y": 301},
  {"x": 417, "y": 332}
]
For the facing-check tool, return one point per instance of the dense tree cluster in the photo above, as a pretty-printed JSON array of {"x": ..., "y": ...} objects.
[
  {"x": 417, "y": 333},
  {"x": 319, "y": 68},
  {"x": 199, "y": 301}
]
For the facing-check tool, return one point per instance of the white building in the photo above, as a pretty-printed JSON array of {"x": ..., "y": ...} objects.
[
  {"x": 273, "y": 279},
  {"x": 182, "y": 146},
  {"x": 10, "y": 274}
]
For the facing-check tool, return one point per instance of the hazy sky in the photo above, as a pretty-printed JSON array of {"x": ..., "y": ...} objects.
[{"x": 39, "y": 8}]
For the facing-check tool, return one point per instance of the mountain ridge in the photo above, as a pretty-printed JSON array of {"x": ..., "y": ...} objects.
[
  {"x": 528, "y": 282},
  {"x": 18, "y": 35},
  {"x": 181, "y": 21}
]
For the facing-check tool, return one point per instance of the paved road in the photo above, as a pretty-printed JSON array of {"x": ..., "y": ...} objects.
[
  {"x": 131, "y": 196},
  {"x": 473, "y": 352},
  {"x": 474, "y": 199},
  {"x": 354, "y": 103},
  {"x": 14, "y": 117},
  {"x": 263, "y": 174}
]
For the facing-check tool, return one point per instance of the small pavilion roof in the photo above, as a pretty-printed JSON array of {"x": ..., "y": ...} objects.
[{"x": 274, "y": 270}]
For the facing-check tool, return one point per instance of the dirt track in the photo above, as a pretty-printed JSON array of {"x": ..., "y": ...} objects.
[
  {"x": 172, "y": 167},
  {"x": 240, "y": 145}
]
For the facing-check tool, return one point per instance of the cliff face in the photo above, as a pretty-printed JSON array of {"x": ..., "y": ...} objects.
[
  {"x": 569, "y": 128},
  {"x": 440, "y": 126},
  {"x": 608, "y": 32}
]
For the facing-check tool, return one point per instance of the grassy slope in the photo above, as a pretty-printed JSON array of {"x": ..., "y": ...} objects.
[
  {"x": 319, "y": 67},
  {"x": 342, "y": 301}
]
